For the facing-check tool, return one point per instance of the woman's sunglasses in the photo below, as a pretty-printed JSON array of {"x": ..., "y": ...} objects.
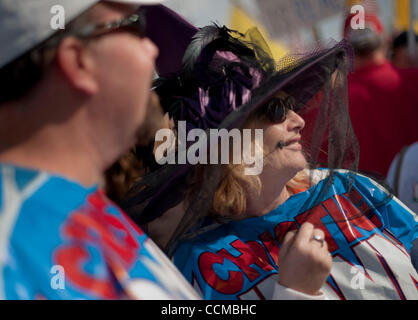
[{"x": 276, "y": 110}]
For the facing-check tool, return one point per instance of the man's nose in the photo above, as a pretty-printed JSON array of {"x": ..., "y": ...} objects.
[{"x": 152, "y": 48}]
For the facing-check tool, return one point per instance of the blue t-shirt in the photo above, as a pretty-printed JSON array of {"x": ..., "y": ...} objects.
[
  {"x": 368, "y": 237},
  {"x": 60, "y": 240}
]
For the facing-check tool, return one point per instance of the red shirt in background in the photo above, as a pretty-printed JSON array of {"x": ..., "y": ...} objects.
[{"x": 383, "y": 105}]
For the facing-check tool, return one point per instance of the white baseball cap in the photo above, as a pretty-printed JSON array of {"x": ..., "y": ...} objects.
[{"x": 24, "y": 24}]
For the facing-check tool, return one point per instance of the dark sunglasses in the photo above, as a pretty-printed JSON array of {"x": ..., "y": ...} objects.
[
  {"x": 276, "y": 110},
  {"x": 135, "y": 23}
]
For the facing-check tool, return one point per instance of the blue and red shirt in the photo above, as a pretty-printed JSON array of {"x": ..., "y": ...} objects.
[
  {"x": 60, "y": 240},
  {"x": 368, "y": 234}
]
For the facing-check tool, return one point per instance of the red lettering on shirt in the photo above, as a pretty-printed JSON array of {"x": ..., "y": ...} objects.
[
  {"x": 314, "y": 216},
  {"x": 232, "y": 285},
  {"x": 93, "y": 226}
]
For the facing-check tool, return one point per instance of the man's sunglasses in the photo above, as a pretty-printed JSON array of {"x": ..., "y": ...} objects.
[{"x": 135, "y": 23}]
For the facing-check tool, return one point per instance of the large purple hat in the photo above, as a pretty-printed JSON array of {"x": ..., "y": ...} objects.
[{"x": 214, "y": 77}]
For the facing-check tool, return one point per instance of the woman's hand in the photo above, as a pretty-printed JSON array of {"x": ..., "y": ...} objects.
[{"x": 304, "y": 263}]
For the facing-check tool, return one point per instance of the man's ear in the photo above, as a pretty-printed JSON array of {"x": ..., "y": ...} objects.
[{"x": 77, "y": 65}]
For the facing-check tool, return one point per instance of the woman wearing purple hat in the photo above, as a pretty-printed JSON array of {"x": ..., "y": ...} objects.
[{"x": 275, "y": 234}]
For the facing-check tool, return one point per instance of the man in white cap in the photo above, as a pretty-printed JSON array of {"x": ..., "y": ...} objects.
[{"x": 71, "y": 103}]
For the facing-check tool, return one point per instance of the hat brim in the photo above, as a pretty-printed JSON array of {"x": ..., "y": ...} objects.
[{"x": 172, "y": 34}]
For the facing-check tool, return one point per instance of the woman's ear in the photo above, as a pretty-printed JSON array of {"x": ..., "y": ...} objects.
[{"x": 77, "y": 65}]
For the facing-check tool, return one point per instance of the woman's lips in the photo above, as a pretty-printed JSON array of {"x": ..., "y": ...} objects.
[{"x": 294, "y": 144}]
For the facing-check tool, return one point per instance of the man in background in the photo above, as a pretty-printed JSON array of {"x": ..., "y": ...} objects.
[{"x": 382, "y": 99}]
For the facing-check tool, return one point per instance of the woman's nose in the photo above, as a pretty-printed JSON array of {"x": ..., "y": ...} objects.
[{"x": 295, "y": 121}]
